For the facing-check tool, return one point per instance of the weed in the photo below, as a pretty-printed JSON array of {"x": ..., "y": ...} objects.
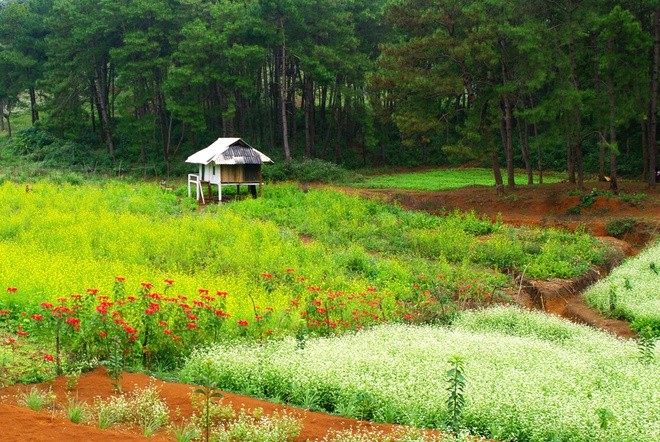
[
  {"x": 185, "y": 432},
  {"x": 36, "y": 399},
  {"x": 71, "y": 380},
  {"x": 77, "y": 411}
]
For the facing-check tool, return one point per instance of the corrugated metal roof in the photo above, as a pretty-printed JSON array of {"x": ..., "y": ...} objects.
[{"x": 229, "y": 151}]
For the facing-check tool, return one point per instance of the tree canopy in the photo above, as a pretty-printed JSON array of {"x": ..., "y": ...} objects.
[{"x": 569, "y": 85}]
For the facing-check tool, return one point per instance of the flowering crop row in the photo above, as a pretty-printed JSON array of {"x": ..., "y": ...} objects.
[
  {"x": 632, "y": 290},
  {"x": 534, "y": 378},
  {"x": 58, "y": 240},
  {"x": 161, "y": 325}
]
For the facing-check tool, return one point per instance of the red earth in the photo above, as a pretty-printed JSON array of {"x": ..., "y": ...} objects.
[{"x": 545, "y": 205}]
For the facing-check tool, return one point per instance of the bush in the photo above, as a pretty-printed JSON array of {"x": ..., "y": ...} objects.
[
  {"x": 307, "y": 171},
  {"x": 619, "y": 227}
]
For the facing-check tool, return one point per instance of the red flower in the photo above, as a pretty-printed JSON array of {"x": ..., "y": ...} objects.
[
  {"x": 49, "y": 358},
  {"x": 203, "y": 291},
  {"x": 93, "y": 291},
  {"x": 120, "y": 279},
  {"x": 22, "y": 334},
  {"x": 295, "y": 303},
  {"x": 132, "y": 298},
  {"x": 266, "y": 275},
  {"x": 103, "y": 334},
  {"x": 76, "y": 297},
  {"x": 129, "y": 330},
  {"x": 4, "y": 312},
  {"x": 191, "y": 325},
  {"x": 11, "y": 289},
  {"x": 408, "y": 317},
  {"x": 192, "y": 317},
  {"x": 37, "y": 317},
  {"x": 146, "y": 285},
  {"x": 290, "y": 270},
  {"x": 167, "y": 332},
  {"x": 149, "y": 311},
  {"x": 222, "y": 294},
  {"x": 162, "y": 323},
  {"x": 321, "y": 311},
  {"x": 198, "y": 303},
  {"x": 176, "y": 338},
  {"x": 169, "y": 281},
  {"x": 258, "y": 317},
  {"x": 243, "y": 323},
  {"x": 46, "y": 305}
]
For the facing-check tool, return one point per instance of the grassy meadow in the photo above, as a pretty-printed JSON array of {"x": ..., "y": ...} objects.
[{"x": 442, "y": 179}]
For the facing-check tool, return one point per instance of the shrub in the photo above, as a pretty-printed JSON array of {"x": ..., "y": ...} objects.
[{"x": 619, "y": 227}]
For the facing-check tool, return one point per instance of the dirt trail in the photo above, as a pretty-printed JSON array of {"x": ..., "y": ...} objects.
[
  {"x": 552, "y": 205},
  {"x": 22, "y": 424}
]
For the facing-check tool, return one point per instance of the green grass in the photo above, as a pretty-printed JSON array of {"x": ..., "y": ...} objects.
[
  {"x": 343, "y": 221},
  {"x": 443, "y": 179},
  {"x": 530, "y": 377}
]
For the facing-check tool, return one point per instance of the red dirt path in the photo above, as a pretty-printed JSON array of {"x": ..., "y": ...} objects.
[
  {"x": 22, "y": 424},
  {"x": 537, "y": 205}
]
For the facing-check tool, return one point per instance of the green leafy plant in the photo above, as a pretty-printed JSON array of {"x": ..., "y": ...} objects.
[
  {"x": 456, "y": 382},
  {"x": 115, "y": 365},
  {"x": 209, "y": 395}
]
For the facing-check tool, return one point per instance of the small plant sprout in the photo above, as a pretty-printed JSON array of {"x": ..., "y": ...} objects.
[
  {"x": 71, "y": 380},
  {"x": 612, "y": 298},
  {"x": 605, "y": 418},
  {"x": 209, "y": 394},
  {"x": 456, "y": 383}
]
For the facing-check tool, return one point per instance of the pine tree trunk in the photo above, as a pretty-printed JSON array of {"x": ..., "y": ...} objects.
[
  {"x": 102, "y": 107},
  {"x": 507, "y": 139},
  {"x": 285, "y": 134},
  {"x": 33, "y": 106},
  {"x": 653, "y": 122},
  {"x": 308, "y": 98},
  {"x": 523, "y": 134},
  {"x": 645, "y": 151}
]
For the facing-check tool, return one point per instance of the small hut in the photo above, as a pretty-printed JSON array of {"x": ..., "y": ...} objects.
[{"x": 228, "y": 161}]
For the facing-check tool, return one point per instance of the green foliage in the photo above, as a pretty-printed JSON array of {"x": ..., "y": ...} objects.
[
  {"x": 618, "y": 228},
  {"x": 308, "y": 171}
]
